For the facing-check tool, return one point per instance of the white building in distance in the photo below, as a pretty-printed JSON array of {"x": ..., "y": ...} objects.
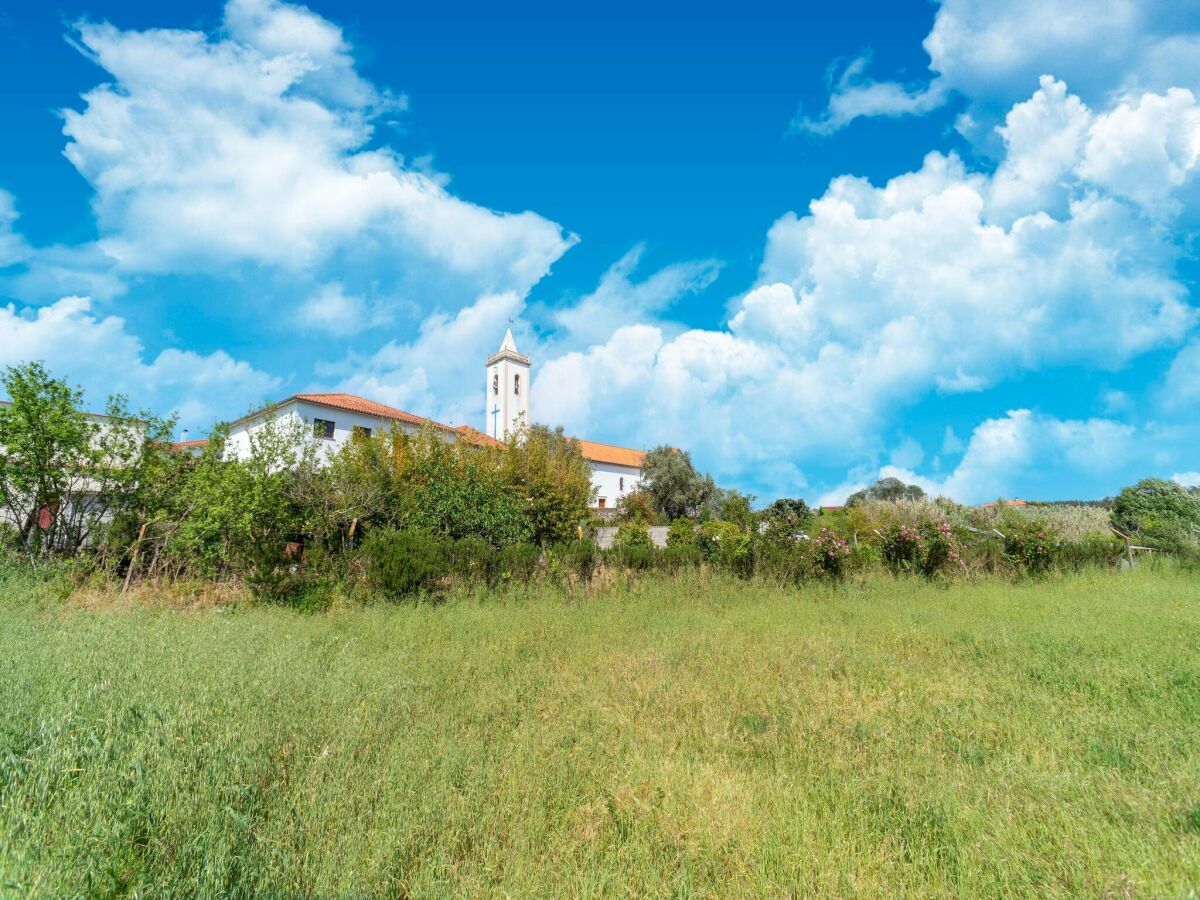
[{"x": 333, "y": 418}]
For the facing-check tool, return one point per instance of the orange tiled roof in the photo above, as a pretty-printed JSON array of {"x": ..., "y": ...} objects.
[
  {"x": 607, "y": 453},
  {"x": 190, "y": 445},
  {"x": 355, "y": 403},
  {"x": 475, "y": 436}
]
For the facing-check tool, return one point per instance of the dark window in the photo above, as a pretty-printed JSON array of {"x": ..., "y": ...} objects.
[
  {"x": 495, "y": 384},
  {"x": 622, "y": 484},
  {"x": 516, "y": 384},
  {"x": 361, "y": 431},
  {"x": 323, "y": 428},
  {"x": 602, "y": 503}
]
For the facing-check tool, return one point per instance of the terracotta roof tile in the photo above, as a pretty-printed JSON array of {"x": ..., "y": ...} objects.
[
  {"x": 475, "y": 436},
  {"x": 354, "y": 403},
  {"x": 607, "y": 453}
]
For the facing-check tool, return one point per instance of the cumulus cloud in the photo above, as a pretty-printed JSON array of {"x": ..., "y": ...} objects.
[
  {"x": 1180, "y": 390},
  {"x": 1025, "y": 446},
  {"x": 13, "y": 248},
  {"x": 332, "y": 311},
  {"x": 1187, "y": 479},
  {"x": 256, "y": 145},
  {"x": 620, "y": 300},
  {"x": 100, "y": 354},
  {"x": 942, "y": 280},
  {"x": 993, "y": 51}
]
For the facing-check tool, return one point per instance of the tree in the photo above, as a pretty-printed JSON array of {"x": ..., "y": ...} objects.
[
  {"x": 1161, "y": 510},
  {"x": 788, "y": 513},
  {"x": 678, "y": 490},
  {"x": 549, "y": 474},
  {"x": 887, "y": 490},
  {"x": 637, "y": 507},
  {"x": 733, "y": 506},
  {"x": 64, "y": 474}
]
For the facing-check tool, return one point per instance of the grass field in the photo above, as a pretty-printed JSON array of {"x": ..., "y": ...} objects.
[{"x": 669, "y": 738}]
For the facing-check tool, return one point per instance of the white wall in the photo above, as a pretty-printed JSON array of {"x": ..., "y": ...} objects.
[
  {"x": 607, "y": 478},
  {"x": 304, "y": 412}
]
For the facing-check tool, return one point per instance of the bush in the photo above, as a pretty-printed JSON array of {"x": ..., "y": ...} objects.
[
  {"x": 577, "y": 559},
  {"x": 828, "y": 555},
  {"x": 724, "y": 544},
  {"x": 518, "y": 563},
  {"x": 404, "y": 563},
  {"x": 474, "y": 559},
  {"x": 1031, "y": 546},
  {"x": 681, "y": 533},
  {"x": 631, "y": 535}
]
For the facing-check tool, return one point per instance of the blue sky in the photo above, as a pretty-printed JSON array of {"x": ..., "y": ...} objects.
[{"x": 953, "y": 242}]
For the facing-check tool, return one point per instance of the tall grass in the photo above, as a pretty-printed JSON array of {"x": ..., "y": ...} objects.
[{"x": 682, "y": 737}]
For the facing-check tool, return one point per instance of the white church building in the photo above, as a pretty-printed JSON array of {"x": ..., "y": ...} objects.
[{"x": 333, "y": 418}]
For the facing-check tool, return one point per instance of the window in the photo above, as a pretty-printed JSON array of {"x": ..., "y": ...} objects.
[
  {"x": 495, "y": 384},
  {"x": 622, "y": 484},
  {"x": 360, "y": 431},
  {"x": 602, "y": 503},
  {"x": 323, "y": 429},
  {"x": 517, "y": 385}
]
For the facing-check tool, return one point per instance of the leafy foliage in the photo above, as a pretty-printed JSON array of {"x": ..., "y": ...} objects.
[
  {"x": 886, "y": 489},
  {"x": 671, "y": 480},
  {"x": 1161, "y": 512}
]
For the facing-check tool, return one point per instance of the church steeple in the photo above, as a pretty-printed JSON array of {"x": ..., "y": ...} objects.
[{"x": 507, "y": 391}]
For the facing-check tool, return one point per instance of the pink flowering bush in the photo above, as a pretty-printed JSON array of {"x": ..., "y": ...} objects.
[
  {"x": 928, "y": 549},
  {"x": 1031, "y": 545},
  {"x": 827, "y": 555}
]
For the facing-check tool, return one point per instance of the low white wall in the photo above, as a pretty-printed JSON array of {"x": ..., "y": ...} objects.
[{"x": 606, "y": 535}]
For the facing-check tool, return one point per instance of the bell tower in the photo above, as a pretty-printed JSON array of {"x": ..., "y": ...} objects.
[{"x": 507, "y": 390}]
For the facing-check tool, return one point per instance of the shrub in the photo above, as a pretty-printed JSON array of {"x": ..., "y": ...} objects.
[
  {"x": 474, "y": 559},
  {"x": 724, "y": 544},
  {"x": 631, "y": 535},
  {"x": 404, "y": 563},
  {"x": 902, "y": 548},
  {"x": 637, "y": 507},
  {"x": 1030, "y": 545},
  {"x": 518, "y": 563},
  {"x": 577, "y": 559},
  {"x": 828, "y": 555},
  {"x": 681, "y": 533}
]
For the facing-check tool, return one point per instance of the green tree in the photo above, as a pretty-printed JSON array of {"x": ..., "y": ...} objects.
[
  {"x": 637, "y": 507},
  {"x": 888, "y": 490},
  {"x": 1161, "y": 511},
  {"x": 789, "y": 514},
  {"x": 671, "y": 480},
  {"x": 65, "y": 474},
  {"x": 548, "y": 472}
]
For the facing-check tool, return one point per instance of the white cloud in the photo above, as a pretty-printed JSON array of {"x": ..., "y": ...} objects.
[
  {"x": 853, "y": 95},
  {"x": 619, "y": 300},
  {"x": 1187, "y": 479},
  {"x": 1181, "y": 388},
  {"x": 1003, "y": 450},
  {"x": 993, "y": 51},
  {"x": 101, "y": 355},
  {"x": 13, "y": 248},
  {"x": 332, "y": 311},
  {"x": 252, "y": 147},
  {"x": 943, "y": 279}
]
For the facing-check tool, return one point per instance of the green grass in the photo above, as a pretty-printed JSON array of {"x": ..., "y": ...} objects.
[{"x": 672, "y": 738}]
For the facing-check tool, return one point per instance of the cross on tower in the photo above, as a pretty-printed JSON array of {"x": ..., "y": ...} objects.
[{"x": 495, "y": 418}]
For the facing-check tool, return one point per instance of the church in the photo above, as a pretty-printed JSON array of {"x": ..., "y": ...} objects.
[{"x": 333, "y": 418}]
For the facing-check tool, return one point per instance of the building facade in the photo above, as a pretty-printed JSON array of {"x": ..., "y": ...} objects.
[{"x": 332, "y": 419}]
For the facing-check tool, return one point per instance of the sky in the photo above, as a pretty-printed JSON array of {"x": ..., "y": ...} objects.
[{"x": 951, "y": 242}]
